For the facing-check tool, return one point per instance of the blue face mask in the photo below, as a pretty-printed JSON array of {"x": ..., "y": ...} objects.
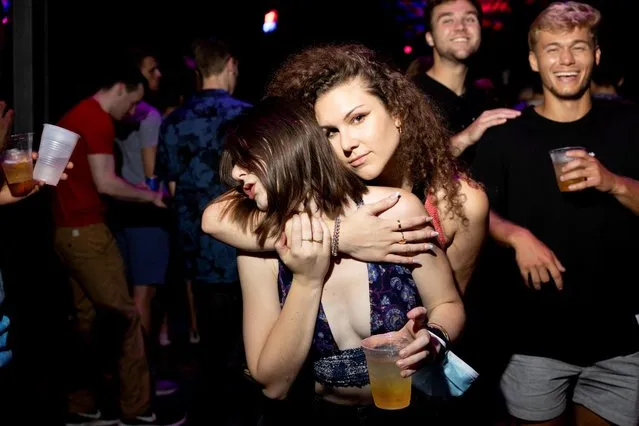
[{"x": 451, "y": 376}]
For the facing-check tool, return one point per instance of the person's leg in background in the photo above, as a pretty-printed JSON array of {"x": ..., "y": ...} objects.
[
  {"x": 585, "y": 417},
  {"x": 82, "y": 400},
  {"x": 165, "y": 302},
  {"x": 205, "y": 399},
  {"x": 148, "y": 249},
  {"x": 82, "y": 356},
  {"x": 194, "y": 333},
  {"x": 178, "y": 277},
  {"x": 143, "y": 297},
  {"x": 164, "y": 338},
  {"x": 94, "y": 261}
]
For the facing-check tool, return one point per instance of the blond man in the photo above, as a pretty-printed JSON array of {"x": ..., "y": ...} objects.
[{"x": 574, "y": 314}]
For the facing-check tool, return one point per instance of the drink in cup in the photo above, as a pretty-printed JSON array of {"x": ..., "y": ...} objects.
[
  {"x": 559, "y": 160},
  {"x": 390, "y": 390},
  {"x": 153, "y": 183},
  {"x": 56, "y": 146},
  {"x": 17, "y": 164}
]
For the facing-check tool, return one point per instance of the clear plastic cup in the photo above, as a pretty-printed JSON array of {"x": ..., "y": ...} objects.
[
  {"x": 559, "y": 160},
  {"x": 390, "y": 390},
  {"x": 56, "y": 147}
]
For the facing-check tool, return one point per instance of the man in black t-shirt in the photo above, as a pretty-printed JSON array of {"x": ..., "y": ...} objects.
[
  {"x": 453, "y": 30},
  {"x": 574, "y": 323}
]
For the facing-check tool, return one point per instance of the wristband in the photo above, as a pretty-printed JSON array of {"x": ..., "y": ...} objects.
[
  {"x": 439, "y": 331},
  {"x": 335, "y": 239}
]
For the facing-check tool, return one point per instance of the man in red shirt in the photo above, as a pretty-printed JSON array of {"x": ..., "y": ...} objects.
[{"x": 90, "y": 254}]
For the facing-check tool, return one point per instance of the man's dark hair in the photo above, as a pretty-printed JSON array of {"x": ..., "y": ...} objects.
[
  {"x": 137, "y": 54},
  {"x": 432, "y": 4},
  {"x": 120, "y": 69},
  {"x": 211, "y": 56}
]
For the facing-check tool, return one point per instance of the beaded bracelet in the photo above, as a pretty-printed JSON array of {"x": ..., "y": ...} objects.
[{"x": 335, "y": 239}]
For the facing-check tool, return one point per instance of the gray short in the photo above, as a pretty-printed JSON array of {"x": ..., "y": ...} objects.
[{"x": 536, "y": 388}]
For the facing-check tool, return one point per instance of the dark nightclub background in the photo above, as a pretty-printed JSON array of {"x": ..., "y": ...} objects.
[
  {"x": 71, "y": 37},
  {"x": 74, "y": 35}
]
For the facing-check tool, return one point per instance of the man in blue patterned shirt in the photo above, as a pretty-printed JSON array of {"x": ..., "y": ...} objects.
[{"x": 191, "y": 142}]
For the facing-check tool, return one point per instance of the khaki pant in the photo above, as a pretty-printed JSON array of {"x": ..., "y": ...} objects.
[{"x": 99, "y": 286}]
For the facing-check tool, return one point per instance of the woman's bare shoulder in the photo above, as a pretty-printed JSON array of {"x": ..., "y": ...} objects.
[
  {"x": 474, "y": 204},
  {"x": 407, "y": 206}
]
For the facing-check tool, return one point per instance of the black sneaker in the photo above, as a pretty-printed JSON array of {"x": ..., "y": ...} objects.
[
  {"x": 150, "y": 419},
  {"x": 94, "y": 418}
]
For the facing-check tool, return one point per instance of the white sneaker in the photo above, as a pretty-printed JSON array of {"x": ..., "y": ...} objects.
[
  {"x": 194, "y": 337},
  {"x": 165, "y": 387},
  {"x": 164, "y": 339},
  {"x": 94, "y": 418}
]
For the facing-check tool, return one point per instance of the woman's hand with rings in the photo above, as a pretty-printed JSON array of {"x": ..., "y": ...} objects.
[
  {"x": 367, "y": 237},
  {"x": 399, "y": 228},
  {"x": 305, "y": 246}
]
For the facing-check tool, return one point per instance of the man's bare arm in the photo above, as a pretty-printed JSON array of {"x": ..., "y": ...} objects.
[{"x": 108, "y": 183}]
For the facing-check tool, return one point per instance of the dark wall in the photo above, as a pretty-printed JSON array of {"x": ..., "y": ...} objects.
[{"x": 77, "y": 44}]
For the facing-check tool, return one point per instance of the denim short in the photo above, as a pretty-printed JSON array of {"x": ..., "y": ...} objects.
[{"x": 145, "y": 251}]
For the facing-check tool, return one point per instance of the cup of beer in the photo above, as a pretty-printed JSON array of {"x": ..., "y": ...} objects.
[
  {"x": 17, "y": 164},
  {"x": 56, "y": 147},
  {"x": 559, "y": 160},
  {"x": 390, "y": 390}
]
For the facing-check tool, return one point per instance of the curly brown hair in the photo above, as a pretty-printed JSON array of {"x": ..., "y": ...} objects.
[{"x": 423, "y": 149}]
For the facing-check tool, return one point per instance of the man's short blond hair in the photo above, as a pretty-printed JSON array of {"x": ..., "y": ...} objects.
[{"x": 565, "y": 17}]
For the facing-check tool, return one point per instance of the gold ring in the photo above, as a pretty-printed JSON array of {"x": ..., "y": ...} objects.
[
  {"x": 403, "y": 240},
  {"x": 399, "y": 225}
]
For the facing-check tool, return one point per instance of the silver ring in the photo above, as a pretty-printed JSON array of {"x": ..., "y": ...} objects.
[{"x": 592, "y": 154}]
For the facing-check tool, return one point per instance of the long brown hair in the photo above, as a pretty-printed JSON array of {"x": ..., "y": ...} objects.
[
  {"x": 424, "y": 141},
  {"x": 280, "y": 141}
]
